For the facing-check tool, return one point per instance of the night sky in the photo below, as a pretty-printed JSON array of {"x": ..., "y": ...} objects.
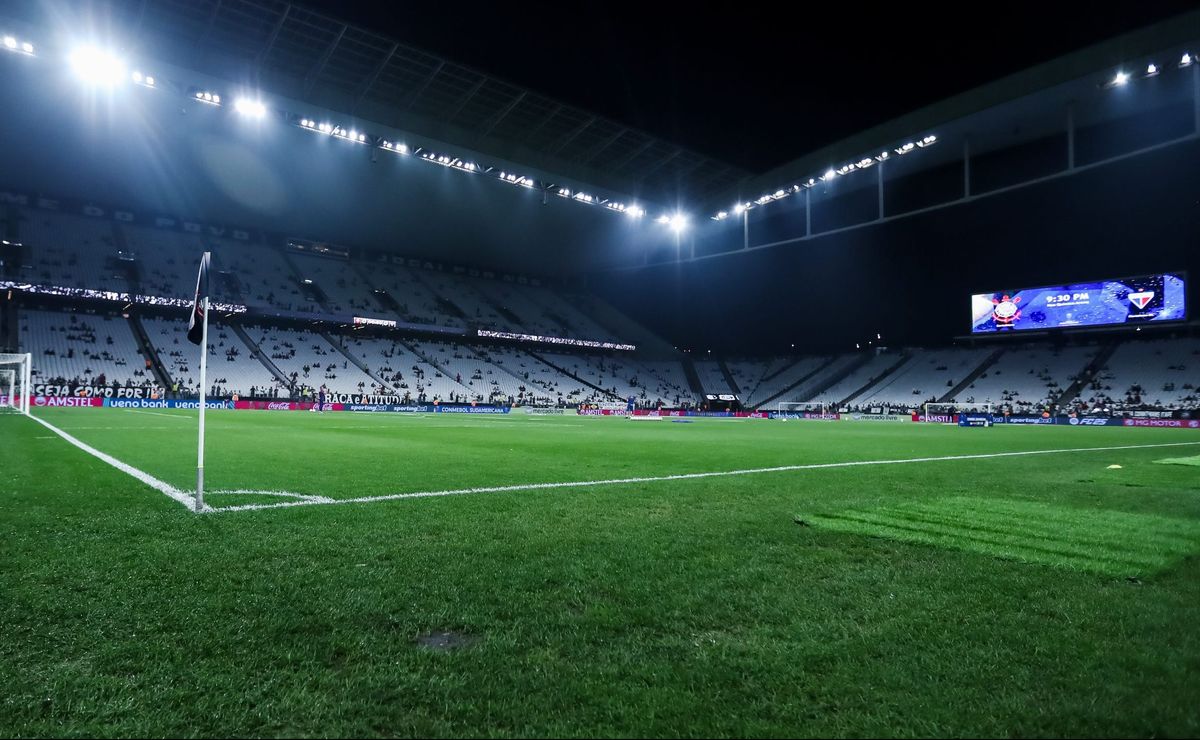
[{"x": 749, "y": 84}]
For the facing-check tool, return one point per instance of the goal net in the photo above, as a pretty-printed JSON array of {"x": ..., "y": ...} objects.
[
  {"x": 15, "y": 376},
  {"x": 797, "y": 408},
  {"x": 947, "y": 413}
]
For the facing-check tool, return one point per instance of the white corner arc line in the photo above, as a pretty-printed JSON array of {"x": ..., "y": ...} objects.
[
  {"x": 678, "y": 476},
  {"x": 161, "y": 486}
]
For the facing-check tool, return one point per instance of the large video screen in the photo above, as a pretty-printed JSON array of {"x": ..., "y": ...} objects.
[{"x": 1149, "y": 298}]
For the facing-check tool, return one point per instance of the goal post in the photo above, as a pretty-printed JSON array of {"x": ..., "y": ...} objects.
[
  {"x": 946, "y": 413},
  {"x": 16, "y": 375}
]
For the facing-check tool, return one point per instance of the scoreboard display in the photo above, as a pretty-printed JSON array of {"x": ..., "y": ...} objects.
[{"x": 1136, "y": 300}]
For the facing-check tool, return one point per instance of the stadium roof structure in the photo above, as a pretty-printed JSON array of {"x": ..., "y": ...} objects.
[
  {"x": 293, "y": 51},
  {"x": 1019, "y": 108}
]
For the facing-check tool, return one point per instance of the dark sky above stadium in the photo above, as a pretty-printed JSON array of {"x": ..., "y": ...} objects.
[{"x": 753, "y": 84}]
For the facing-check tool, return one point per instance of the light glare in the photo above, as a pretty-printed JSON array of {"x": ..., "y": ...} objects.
[{"x": 97, "y": 67}]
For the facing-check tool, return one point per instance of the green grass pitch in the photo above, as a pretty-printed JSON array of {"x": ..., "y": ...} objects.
[{"x": 1044, "y": 594}]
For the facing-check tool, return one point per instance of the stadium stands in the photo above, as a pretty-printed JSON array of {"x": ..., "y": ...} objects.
[
  {"x": 1029, "y": 378},
  {"x": 82, "y": 349},
  {"x": 1147, "y": 374},
  {"x": 711, "y": 377},
  {"x": 926, "y": 376}
]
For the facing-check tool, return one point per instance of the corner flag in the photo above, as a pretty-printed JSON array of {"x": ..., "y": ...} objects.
[
  {"x": 198, "y": 334},
  {"x": 200, "y": 305}
]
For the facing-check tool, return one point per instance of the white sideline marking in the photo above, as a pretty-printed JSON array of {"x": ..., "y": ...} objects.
[
  {"x": 165, "y": 488},
  {"x": 286, "y": 494},
  {"x": 679, "y": 476},
  {"x": 159, "y": 413}
]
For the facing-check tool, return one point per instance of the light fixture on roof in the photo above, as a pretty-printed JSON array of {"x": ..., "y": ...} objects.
[
  {"x": 881, "y": 156},
  {"x": 97, "y": 67},
  {"x": 207, "y": 97},
  {"x": 1151, "y": 69},
  {"x": 1185, "y": 60},
  {"x": 906, "y": 148},
  {"x": 1120, "y": 79},
  {"x": 829, "y": 174},
  {"x": 12, "y": 43},
  {"x": 722, "y": 215},
  {"x": 678, "y": 222},
  {"x": 738, "y": 209},
  {"x": 141, "y": 79},
  {"x": 635, "y": 211},
  {"x": 927, "y": 141},
  {"x": 395, "y": 147}
]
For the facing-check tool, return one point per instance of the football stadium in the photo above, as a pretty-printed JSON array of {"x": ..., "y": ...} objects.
[{"x": 352, "y": 388}]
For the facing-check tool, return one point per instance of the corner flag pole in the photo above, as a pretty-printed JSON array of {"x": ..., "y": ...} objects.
[{"x": 203, "y": 387}]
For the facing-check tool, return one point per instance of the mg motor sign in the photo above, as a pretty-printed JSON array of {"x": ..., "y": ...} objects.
[{"x": 1166, "y": 423}]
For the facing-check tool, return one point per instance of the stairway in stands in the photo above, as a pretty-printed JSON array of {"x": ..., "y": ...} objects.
[
  {"x": 693, "y": 378},
  {"x": 972, "y": 377},
  {"x": 904, "y": 357},
  {"x": 1096, "y": 365},
  {"x": 147, "y": 349},
  {"x": 570, "y": 374},
  {"x": 357, "y": 361},
  {"x": 261, "y": 356},
  {"x": 800, "y": 381},
  {"x": 733, "y": 386}
]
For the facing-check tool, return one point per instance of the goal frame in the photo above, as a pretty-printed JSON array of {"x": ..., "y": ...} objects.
[
  {"x": 978, "y": 408},
  {"x": 16, "y": 377}
]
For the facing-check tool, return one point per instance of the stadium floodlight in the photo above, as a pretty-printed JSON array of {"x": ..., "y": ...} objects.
[
  {"x": 392, "y": 146},
  {"x": 829, "y": 174},
  {"x": 14, "y": 44},
  {"x": 906, "y": 148},
  {"x": 881, "y": 156},
  {"x": 141, "y": 79},
  {"x": 1151, "y": 69},
  {"x": 722, "y": 215},
  {"x": 865, "y": 162},
  {"x": 250, "y": 108},
  {"x": 1120, "y": 79},
  {"x": 678, "y": 222},
  {"x": 927, "y": 141},
  {"x": 738, "y": 209},
  {"x": 635, "y": 211},
  {"x": 97, "y": 67},
  {"x": 1185, "y": 60},
  {"x": 207, "y": 97}
]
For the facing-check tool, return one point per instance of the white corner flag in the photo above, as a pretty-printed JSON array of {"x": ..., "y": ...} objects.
[{"x": 198, "y": 334}]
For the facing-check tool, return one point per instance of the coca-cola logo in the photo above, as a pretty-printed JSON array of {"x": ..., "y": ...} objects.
[{"x": 279, "y": 406}]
